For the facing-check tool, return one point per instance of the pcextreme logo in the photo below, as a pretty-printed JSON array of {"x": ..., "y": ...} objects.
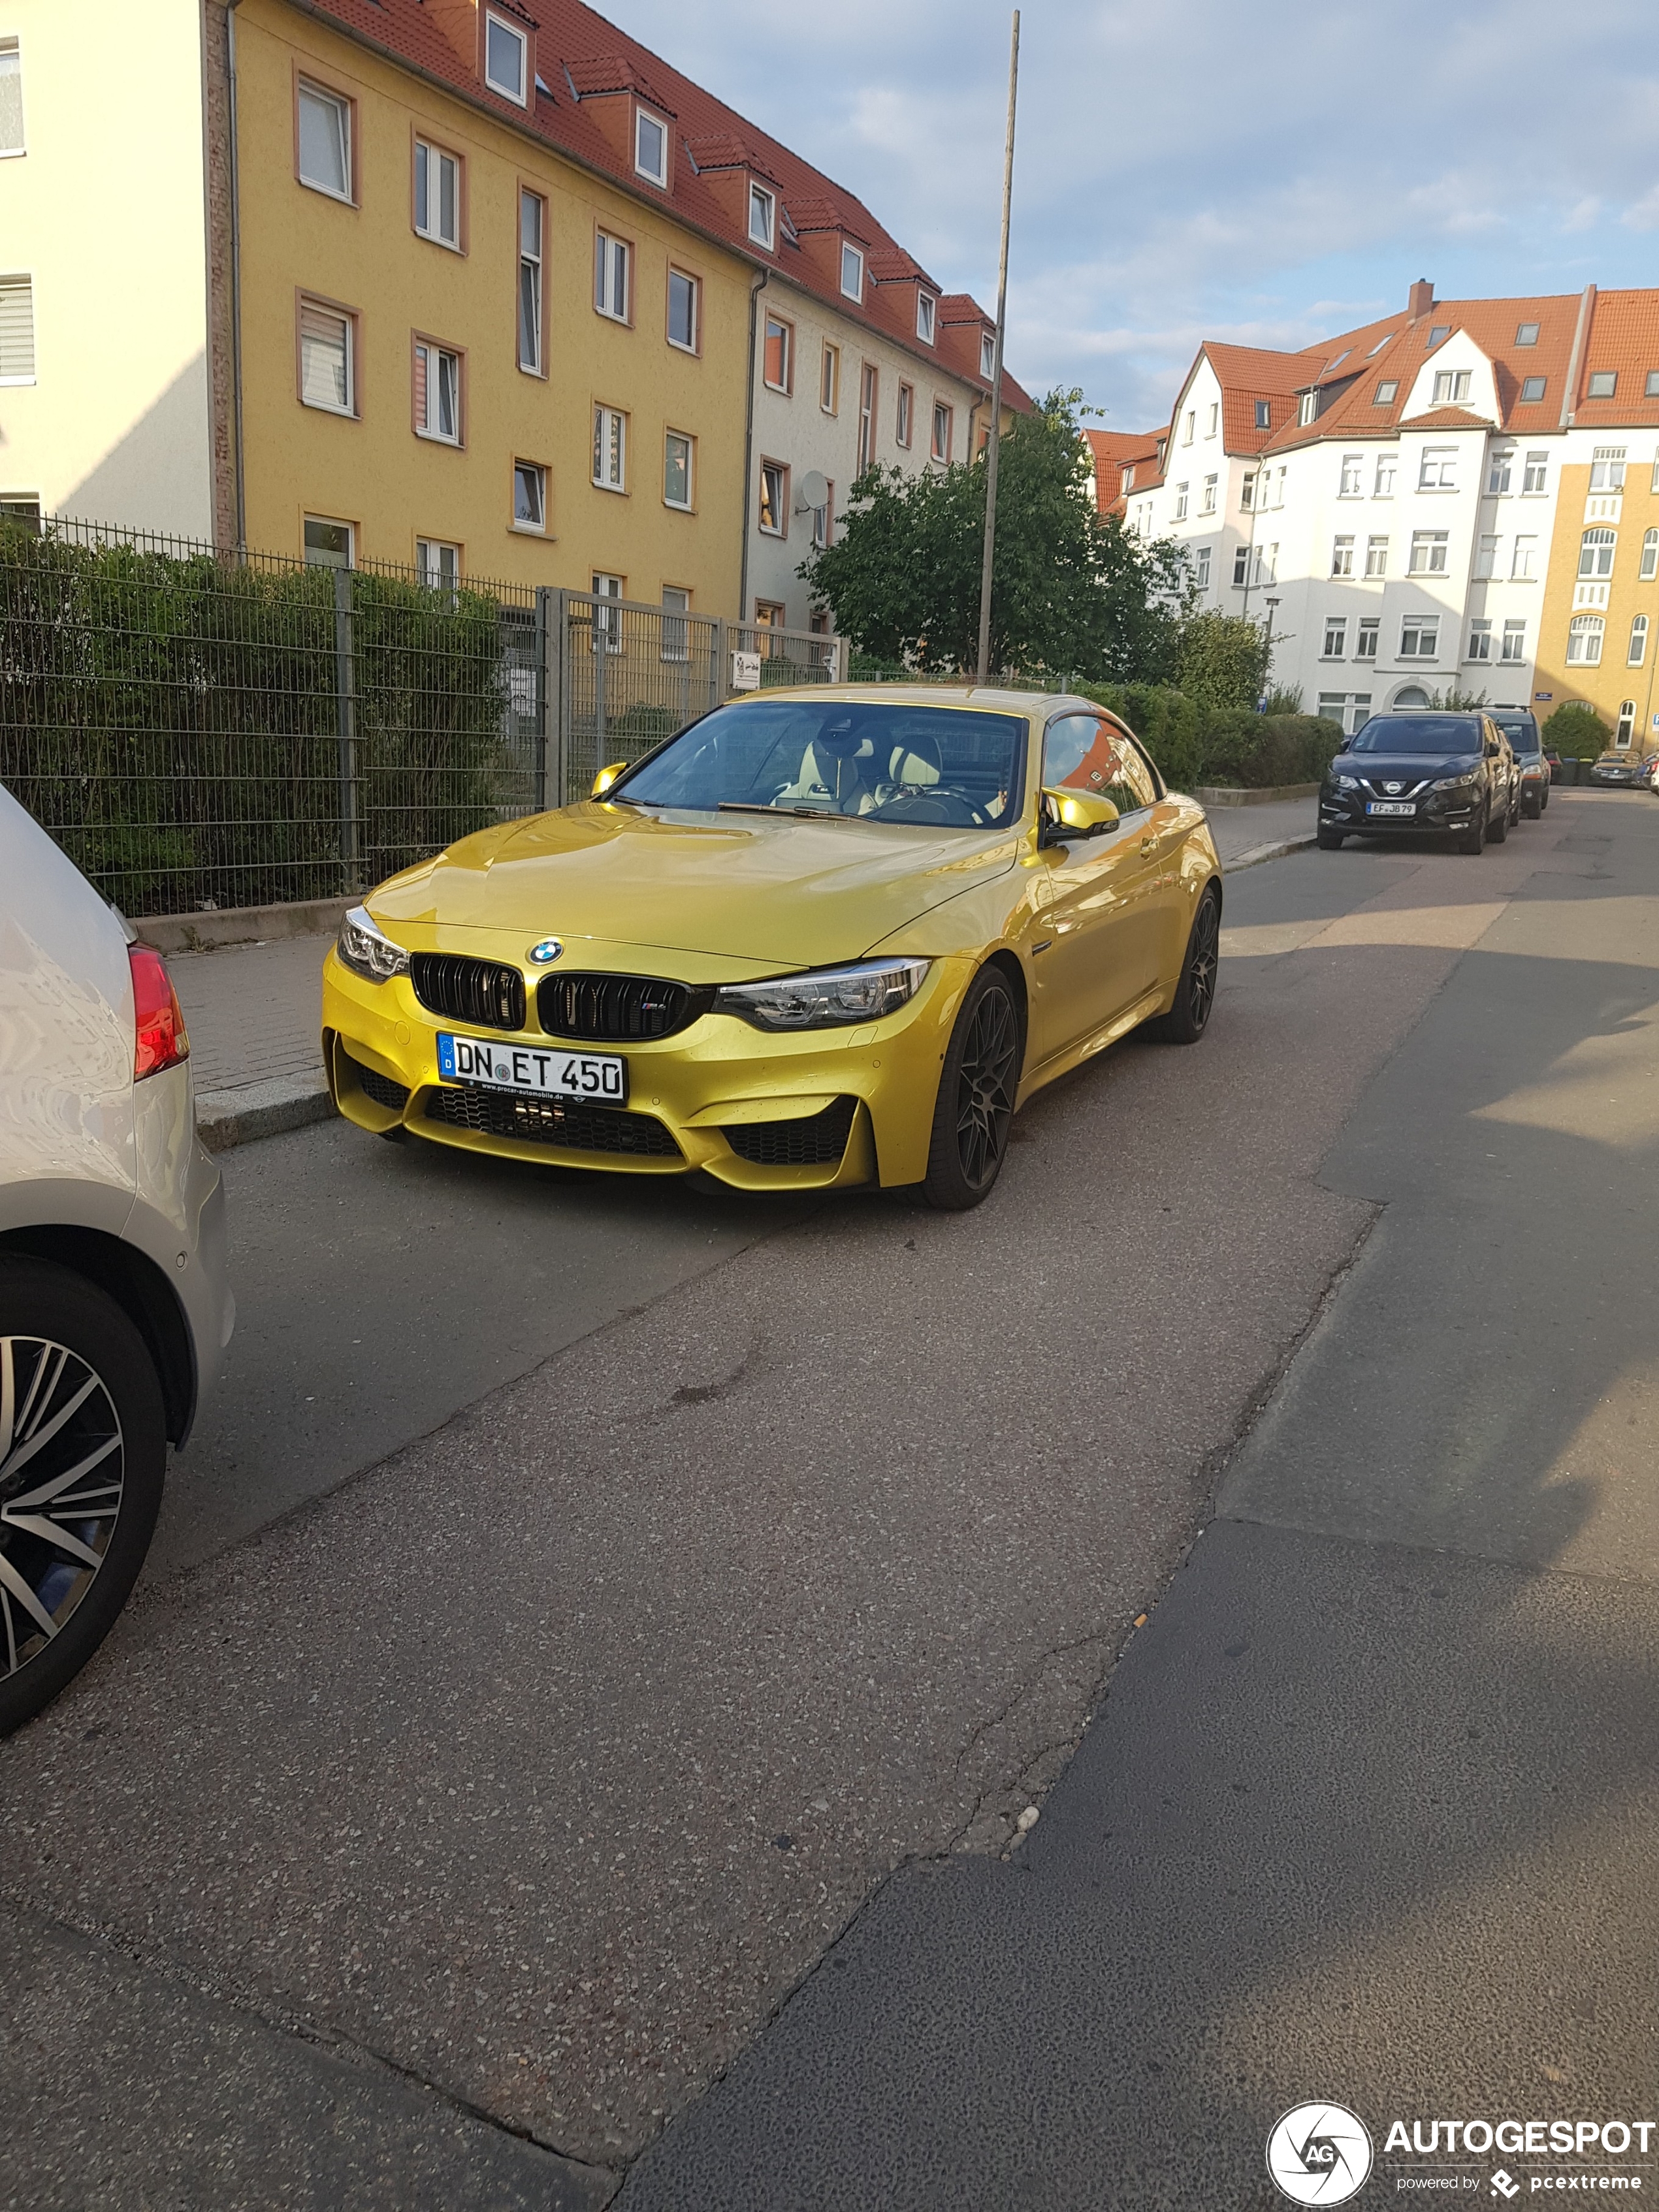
[{"x": 1322, "y": 2153}]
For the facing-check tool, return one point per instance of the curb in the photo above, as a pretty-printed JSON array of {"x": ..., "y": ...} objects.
[
  {"x": 1257, "y": 854},
  {"x": 240, "y": 925},
  {"x": 224, "y": 1118},
  {"x": 1272, "y": 795}
]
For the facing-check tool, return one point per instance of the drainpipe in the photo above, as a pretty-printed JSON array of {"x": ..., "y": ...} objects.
[
  {"x": 757, "y": 285},
  {"x": 1570, "y": 396},
  {"x": 231, "y": 7}
]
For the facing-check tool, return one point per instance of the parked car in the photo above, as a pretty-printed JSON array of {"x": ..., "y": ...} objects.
[
  {"x": 1522, "y": 731},
  {"x": 1617, "y": 767},
  {"x": 114, "y": 1307},
  {"x": 816, "y": 939},
  {"x": 1650, "y": 773},
  {"x": 1446, "y": 774}
]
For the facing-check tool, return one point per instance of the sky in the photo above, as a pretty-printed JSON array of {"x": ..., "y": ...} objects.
[{"x": 1266, "y": 175}]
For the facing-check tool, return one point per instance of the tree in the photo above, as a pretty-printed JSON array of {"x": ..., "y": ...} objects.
[
  {"x": 1222, "y": 660},
  {"x": 1577, "y": 730},
  {"x": 1073, "y": 592}
]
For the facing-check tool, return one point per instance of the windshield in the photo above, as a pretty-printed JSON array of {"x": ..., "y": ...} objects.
[
  {"x": 1418, "y": 733},
  {"x": 1521, "y": 730},
  {"x": 948, "y": 767}
]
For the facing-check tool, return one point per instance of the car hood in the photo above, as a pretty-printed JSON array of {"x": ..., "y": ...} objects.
[
  {"x": 1407, "y": 768},
  {"x": 783, "y": 893}
]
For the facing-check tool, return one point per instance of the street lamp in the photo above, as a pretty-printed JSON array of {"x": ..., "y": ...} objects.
[{"x": 1266, "y": 673}]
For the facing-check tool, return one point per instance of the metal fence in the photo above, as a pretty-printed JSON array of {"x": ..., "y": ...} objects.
[{"x": 201, "y": 729}]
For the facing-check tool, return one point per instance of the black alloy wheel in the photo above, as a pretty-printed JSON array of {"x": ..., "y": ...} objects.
[
  {"x": 977, "y": 1089},
  {"x": 1188, "y": 1019}
]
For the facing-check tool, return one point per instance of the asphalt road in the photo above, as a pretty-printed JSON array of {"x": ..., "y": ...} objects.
[{"x": 443, "y": 1840}]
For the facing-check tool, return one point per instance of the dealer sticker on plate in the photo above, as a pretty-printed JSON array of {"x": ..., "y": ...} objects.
[{"x": 600, "y": 1077}]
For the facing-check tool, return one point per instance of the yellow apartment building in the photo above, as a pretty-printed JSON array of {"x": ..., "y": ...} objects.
[{"x": 1600, "y": 639}]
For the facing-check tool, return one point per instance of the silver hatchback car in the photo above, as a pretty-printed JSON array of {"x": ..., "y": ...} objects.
[{"x": 114, "y": 1307}]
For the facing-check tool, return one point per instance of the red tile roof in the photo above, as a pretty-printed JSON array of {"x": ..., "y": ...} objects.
[
  {"x": 580, "y": 57},
  {"x": 1116, "y": 452}
]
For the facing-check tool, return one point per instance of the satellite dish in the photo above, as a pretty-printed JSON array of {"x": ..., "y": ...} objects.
[{"x": 812, "y": 491}]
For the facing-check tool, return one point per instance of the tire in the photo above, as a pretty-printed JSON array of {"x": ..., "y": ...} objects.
[
  {"x": 110, "y": 1455},
  {"x": 1330, "y": 840},
  {"x": 1189, "y": 1019},
  {"x": 1515, "y": 810},
  {"x": 976, "y": 1088},
  {"x": 1498, "y": 831},
  {"x": 1473, "y": 840},
  {"x": 1532, "y": 808}
]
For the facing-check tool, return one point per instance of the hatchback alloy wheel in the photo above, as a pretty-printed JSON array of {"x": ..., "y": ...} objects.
[{"x": 62, "y": 1478}]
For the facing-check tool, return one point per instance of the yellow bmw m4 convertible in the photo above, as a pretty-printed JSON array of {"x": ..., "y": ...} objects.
[{"x": 817, "y": 939}]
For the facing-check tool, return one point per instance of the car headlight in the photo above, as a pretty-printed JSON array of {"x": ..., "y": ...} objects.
[
  {"x": 1347, "y": 783},
  {"x": 367, "y": 953},
  {"x": 1457, "y": 782},
  {"x": 862, "y": 993}
]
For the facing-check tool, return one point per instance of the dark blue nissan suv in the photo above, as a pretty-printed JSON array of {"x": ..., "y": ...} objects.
[{"x": 1444, "y": 774}]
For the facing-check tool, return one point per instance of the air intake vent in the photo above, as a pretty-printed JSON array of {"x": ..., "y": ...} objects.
[
  {"x": 381, "y": 1088},
  {"x": 572, "y": 1127},
  {"x": 805, "y": 1144},
  {"x": 618, "y": 1009},
  {"x": 478, "y": 991}
]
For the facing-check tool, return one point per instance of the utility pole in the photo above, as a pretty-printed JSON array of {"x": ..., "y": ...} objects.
[{"x": 995, "y": 439}]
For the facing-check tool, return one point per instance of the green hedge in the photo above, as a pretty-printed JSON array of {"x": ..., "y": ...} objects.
[
  {"x": 1577, "y": 732},
  {"x": 1224, "y": 746}
]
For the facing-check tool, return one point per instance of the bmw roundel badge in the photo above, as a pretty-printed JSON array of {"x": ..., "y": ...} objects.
[{"x": 547, "y": 951}]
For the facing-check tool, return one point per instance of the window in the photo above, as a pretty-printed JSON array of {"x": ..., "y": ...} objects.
[
  {"x": 763, "y": 215},
  {"x": 824, "y": 518},
  {"x": 676, "y": 630},
  {"x": 11, "y": 97},
  {"x": 1191, "y": 429},
  {"x": 1364, "y": 646},
  {"x": 1307, "y": 408},
  {"x": 1515, "y": 638},
  {"x": 942, "y": 417},
  {"x": 325, "y": 139},
  {"x": 1536, "y": 479},
  {"x": 1336, "y": 637},
  {"x": 1595, "y": 549},
  {"x": 1439, "y": 469},
  {"x": 437, "y": 564},
  {"x": 507, "y": 59},
  {"x": 1263, "y": 414},
  {"x": 1497, "y": 476},
  {"x": 1649, "y": 567},
  {"x": 1387, "y": 463},
  {"x": 1651, "y": 391},
  {"x": 1585, "y": 642},
  {"x": 1213, "y": 418},
  {"x": 829, "y": 378},
  {"x": 1377, "y": 556},
  {"x": 1350, "y": 486},
  {"x": 777, "y": 361},
  {"x": 328, "y": 545},
  {"x": 1451, "y": 385},
  {"x": 1241, "y": 566},
  {"x": 1428, "y": 553},
  {"x": 1437, "y": 332},
  {"x": 1638, "y": 651},
  {"x": 1527, "y": 334},
  {"x": 1266, "y": 564},
  {"x": 773, "y": 499},
  {"x": 1181, "y": 491},
  {"x": 1532, "y": 390},
  {"x": 1521, "y": 569},
  {"x": 437, "y": 393},
  {"x": 16, "y": 330},
  {"x": 1247, "y": 490},
  {"x": 532, "y": 223},
  {"x": 926, "y": 305},
  {"x": 852, "y": 272},
  {"x": 650, "y": 148},
  {"x": 529, "y": 495},
  {"x": 607, "y": 620},
  {"x": 1387, "y": 392},
  {"x": 1279, "y": 488},
  {"x": 1607, "y": 469},
  {"x": 1627, "y": 729},
  {"x": 1342, "y": 557},
  {"x": 1419, "y": 637},
  {"x": 1129, "y": 475},
  {"x": 1480, "y": 641},
  {"x": 437, "y": 195},
  {"x": 677, "y": 458},
  {"x": 1206, "y": 506},
  {"x": 327, "y": 369},
  {"x": 685, "y": 310},
  {"x": 769, "y": 614},
  {"x": 907, "y": 404},
  {"x": 611, "y": 259},
  {"x": 610, "y": 449},
  {"x": 1201, "y": 569},
  {"x": 1485, "y": 558},
  {"x": 988, "y": 354},
  {"x": 867, "y": 416},
  {"x": 1603, "y": 383}
]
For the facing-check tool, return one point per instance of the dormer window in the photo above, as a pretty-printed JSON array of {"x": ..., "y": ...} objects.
[
  {"x": 987, "y": 353},
  {"x": 651, "y": 147},
  {"x": 1263, "y": 415},
  {"x": 926, "y": 306},
  {"x": 1307, "y": 408},
  {"x": 1438, "y": 331},
  {"x": 762, "y": 216},
  {"x": 852, "y": 272},
  {"x": 507, "y": 59}
]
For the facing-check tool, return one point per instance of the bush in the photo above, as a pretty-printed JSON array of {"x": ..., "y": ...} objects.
[
  {"x": 1577, "y": 731},
  {"x": 1230, "y": 746},
  {"x": 1167, "y": 723}
]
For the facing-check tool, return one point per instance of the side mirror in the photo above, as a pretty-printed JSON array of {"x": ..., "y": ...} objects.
[
  {"x": 605, "y": 778},
  {"x": 1068, "y": 814}
]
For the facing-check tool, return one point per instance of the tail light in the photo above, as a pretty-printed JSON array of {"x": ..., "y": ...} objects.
[{"x": 162, "y": 1042}]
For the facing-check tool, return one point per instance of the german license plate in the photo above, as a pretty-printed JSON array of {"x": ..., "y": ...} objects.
[
  {"x": 1390, "y": 806},
  {"x": 601, "y": 1077}
]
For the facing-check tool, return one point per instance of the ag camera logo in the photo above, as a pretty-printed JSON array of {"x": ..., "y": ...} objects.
[{"x": 1319, "y": 2154}]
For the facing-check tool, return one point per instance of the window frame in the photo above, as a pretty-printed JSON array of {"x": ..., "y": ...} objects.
[
  {"x": 821, "y": 534},
  {"x": 539, "y": 470},
  {"x": 1241, "y": 567},
  {"x": 1587, "y": 626},
  {"x": 607, "y": 611},
  {"x": 424, "y": 339},
  {"x": 1611, "y": 461},
  {"x": 854, "y": 254},
  {"x": 671, "y": 617},
  {"x": 1598, "y": 546},
  {"x": 942, "y": 407},
  {"x": 1264, "y": 414},
  {"x": 1377, "y": 555},
  {"x": 1480, "y": 642},
  {"x": 1388, "y": 390},
  {"x": 1352, "y": 470},
  {"x": 1457, "y": 383},
  {"x": 423, "y": 545},
  {"x": 493, "y": 20},
  {"x": 1432, "y": 464},
  {"x": 1211, "y": 492},
  {"x": 642, "y": 115},
  {"x": 418, "y": 142},
  {"x": 926, "y": 318},
  {"x": 694, "y": 283},
  {"x": 1636, "y": 649},
  {"x": 1182, "y": 496},
  {"x": 605, "y": 414},
  {"x": 1537, "y": 464},
  {"x": 1515, "y": 633},
  {"x": 987, "y": 356},
  {"x": 905, "y": 426},
  {"x": 23, "y": 279},
  {"x": 778, "y": 472},
  {"x": 1526, "y": 334},
  {"x": 12, "y": 44},
  {"x": 762, "y": 198},
  {"x": 351, "y": 412},
  {"x": 305, "y": 82},
  {"x": 1336, "y": 629},
  {"x": 1369, "y": 629},
  {"x": 1431, "y": 541},
  {"x": 1523, "y": 547},
  {"x": 1500, "y": 466},
  {"x": 539, "y": 367},
  {"x": 1387, "y": 465},
  {"x": 1608, "y": 378},
  {"x": 1650, "y": 559},
  {"x": 786, "y": 329},
  {"x": 869, "y": 414},
  {"x": 1532, "y": 391},
  {"x": 829, "y": 378},
  {"x": 1422, "y": 626},
  {"x": 606, "y": 243},
  {"x": 1202, "y": 564},
  {"x": 329, "y": 522},
  {"x": 688, "y": 504},
  {"x": 1342, "y": 555}
]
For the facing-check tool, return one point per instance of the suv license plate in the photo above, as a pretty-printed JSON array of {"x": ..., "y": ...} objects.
[
  {"x": 601, "y": 1077},
  {"x": 1391, "y": 806}
]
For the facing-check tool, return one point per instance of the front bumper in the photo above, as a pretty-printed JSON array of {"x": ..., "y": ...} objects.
[
  {"x": 720, "y": 1096},
  {"x": 1434, "y": 816}
]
